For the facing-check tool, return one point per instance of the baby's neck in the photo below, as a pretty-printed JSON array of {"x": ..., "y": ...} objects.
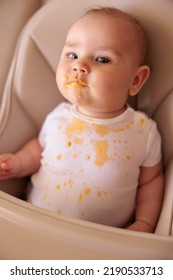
[{"x": 101, "y": 115}]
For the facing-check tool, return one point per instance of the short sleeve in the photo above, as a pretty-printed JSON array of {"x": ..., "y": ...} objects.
[
  {"x": 153, "y": 147},
  {"x": 62, "y": 110},
  {"x": 43, "y": 131}
]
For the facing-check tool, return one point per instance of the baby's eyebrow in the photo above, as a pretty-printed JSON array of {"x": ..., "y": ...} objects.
[
  {"x": 99, "y": 48},
  {"x": 109, "y": 49},
  {"x": 70, "y": 44}
]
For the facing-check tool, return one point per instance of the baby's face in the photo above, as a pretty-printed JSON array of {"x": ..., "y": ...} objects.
[{"x": 97, "y": 66}]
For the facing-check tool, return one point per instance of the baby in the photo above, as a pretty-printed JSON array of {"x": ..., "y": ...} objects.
[{"x": 96, "y": 158}]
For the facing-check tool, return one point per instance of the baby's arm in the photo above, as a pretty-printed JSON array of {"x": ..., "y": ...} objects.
[
  {"x": 24, "y": 162},
  {"x": 149, "y": 198}
]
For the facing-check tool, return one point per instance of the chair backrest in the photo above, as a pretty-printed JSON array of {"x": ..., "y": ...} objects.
[
  {"x": 31, "y": 92},
  {"x": 13, "y": 16}
]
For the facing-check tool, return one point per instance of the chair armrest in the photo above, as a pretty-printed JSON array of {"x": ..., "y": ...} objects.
[{"x": 165, "y": 221}]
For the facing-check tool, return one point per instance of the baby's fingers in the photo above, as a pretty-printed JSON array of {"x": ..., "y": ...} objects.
[
  {"x": 4, "y": 171},
  {"x": 4, "y": 166}
]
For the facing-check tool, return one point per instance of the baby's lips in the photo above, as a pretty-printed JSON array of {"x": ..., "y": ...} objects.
[{"x": 72, "y": 83}]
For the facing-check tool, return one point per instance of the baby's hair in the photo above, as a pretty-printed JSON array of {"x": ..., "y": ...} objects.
[{"x": 127, "y": 18}]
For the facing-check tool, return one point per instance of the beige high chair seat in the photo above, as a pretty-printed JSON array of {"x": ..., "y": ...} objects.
[{"x": 28, "y": 232}]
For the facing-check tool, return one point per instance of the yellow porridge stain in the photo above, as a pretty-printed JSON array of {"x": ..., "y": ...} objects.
[
  {"x": 65, "y": 184},
  {"x": 128, "y": 157},
  {"x": 59, "y": 211},
  {"x": 69, "y": 82},
  {"x": 117, "y": 140},
  {"x": 78, "y": 91},
  {"x": 87, "y": 191},
  {"x": 142, "y": 121},
  {"x": 71, "y": 183},
  {"x": 66, "y": 78},
  {"x": 88, "y": 157},
  {"x": 58, "y": 187},
  {"x": 80, "y": 197},
  {"x": 89, "y": 119},
  {"x": 78, "y": 141},
  {"x": 120, "y": 129},
  {"x": 82, "y": 170},
  {"x": 102, "y": 130},
  {"x": 74, "y": 84},
  {"x": 68, "y": 144},
  {"x": 113, "y": 156},
  {"x": 59, "y": 156},
  {"x": 76, "y": 125},
  {"x": 101, "y": 149},
  {"x": 102, "y": 193}
]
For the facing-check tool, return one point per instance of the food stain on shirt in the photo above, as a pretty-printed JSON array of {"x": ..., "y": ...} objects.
[
  {"x": 71, "y": 183},
  {"x": 78, "y": 141},
  {"x": 102, "y": 130},
  {"x": 142, "y": 121},
  {"x": 88, "y": 157},
  {"x": 68, "y": 144},
  {"x": 101, "y": 149},
  {"x": 76, "y": 125},
  {"x": 102, "y": 193},
  {"x": 128, "y": 157},
  {"x": 58, "y": 187},
  {"x": 59, "y": 156},
  {"x": 85, "y": 192},
  {"x": 80, "y": 197}
]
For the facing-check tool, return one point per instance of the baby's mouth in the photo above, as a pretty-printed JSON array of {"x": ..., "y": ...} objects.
[{"x": 77, "y": 83}]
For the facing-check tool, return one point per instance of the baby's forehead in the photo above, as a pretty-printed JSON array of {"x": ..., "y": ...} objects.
[
  {"x": 104, "y": 25},
  {"x": 95, "y": 21}
]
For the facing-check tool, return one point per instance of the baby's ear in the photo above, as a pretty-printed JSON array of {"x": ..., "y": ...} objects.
[{"x": 140, "y": 77}]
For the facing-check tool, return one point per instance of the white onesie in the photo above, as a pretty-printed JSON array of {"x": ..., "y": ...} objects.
[{"x": 90, "y": 167}]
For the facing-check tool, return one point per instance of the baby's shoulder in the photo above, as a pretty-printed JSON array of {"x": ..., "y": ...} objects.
[{"x": 143, "y": 119}]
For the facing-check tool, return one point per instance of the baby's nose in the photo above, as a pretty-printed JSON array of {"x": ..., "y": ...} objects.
[{"x": 80, "y": 68}]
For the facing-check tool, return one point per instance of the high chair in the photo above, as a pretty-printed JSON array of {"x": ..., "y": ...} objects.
[{"x": 30, "y": 92}]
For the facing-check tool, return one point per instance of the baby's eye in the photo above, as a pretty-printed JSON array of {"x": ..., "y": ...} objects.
[
  {"x": 103, "y": 60},
  {"x": 72, "y": 56}
]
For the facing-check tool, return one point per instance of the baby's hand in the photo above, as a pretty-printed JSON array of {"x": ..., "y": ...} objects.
[
  {"x": 141, "y": 226},
  {"x": 10, "y": 166}
]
